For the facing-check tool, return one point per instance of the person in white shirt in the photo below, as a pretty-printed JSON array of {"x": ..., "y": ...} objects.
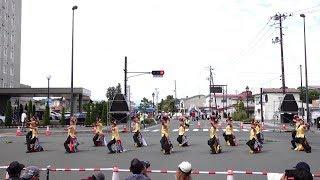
[{"x": 23, "y": 121}]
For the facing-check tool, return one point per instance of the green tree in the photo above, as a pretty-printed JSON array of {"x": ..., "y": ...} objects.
[
  {"x": 93, "y": 114},
  {"x": 111, "y": 92},
  {"x": 33, "y": 109},
  {"x": 313, "y": 94},
  {"x": 241, "y": 106},
  {"x": 20, "y": 109},
  {"x": 144, "y": 104},
  {"x": 46, "y": 118},
  {"x": 118, "y": 89},
  {"x": 26, "y": 107},
  {"x": 8, "y": 117},
  {"x": 29, "y": 111},
  {"x": 63, "y": 117},
  {"x": 88, "y": 118}
]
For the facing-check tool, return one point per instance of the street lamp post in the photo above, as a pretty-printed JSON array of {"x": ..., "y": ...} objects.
[
  {"x": 48, "y": 77},
  {"x": 305, "y": 65},
  {"x": 71, "y": 98},
  {"x": 247, "y": 90},
  {"x": 153, "y": 99}
]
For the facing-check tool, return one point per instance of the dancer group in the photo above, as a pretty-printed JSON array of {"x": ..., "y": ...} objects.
[{"x": 115, "y": 145}]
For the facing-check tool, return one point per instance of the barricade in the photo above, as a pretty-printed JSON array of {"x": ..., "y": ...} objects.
[{"x": 231, "y": 174}]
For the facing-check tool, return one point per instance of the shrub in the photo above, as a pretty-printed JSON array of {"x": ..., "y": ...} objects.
[
  {"x": 63, "y": 117},
  {"x": 8, "y": 117},
  {"x": 46, "y": 118}
]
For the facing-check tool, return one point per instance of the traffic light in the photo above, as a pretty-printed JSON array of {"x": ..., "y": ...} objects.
[{"x": 158, "y": 73}]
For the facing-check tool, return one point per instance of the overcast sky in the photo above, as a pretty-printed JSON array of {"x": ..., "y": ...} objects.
[{"x": 182, "y": 37}]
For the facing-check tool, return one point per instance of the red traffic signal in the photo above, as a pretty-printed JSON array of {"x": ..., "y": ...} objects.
[{"x": 158, "y": 73}]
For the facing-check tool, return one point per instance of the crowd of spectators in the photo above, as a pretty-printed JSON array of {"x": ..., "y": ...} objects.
[{"x": 18, "y": 171}]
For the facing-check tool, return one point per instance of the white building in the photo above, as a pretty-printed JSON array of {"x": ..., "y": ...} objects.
[{"x": 272, "y": 99}]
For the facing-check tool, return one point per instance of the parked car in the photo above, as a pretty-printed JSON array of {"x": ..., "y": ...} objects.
[
  {"x": 81, "y": 117},
  {"x": 2, "y": 119}
]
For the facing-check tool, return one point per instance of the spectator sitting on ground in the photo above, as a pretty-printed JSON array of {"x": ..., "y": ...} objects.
[
  {"x": 300, "y": 172},
  {"x": 31, "y": 173},
  {"x": 96, "y": 176},
  {"x": 139, "y": 170},
  {"x": 184, "y": 171},
  {"x": 14, "y": 170}
]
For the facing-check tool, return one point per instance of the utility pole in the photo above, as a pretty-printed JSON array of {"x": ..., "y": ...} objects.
[
  {"x": 125, "y": 76},
  {"x": 175, "y": 89},
  {"x": 214, "y": 94},
  {"x": 280, "y": 17},
  {"x": 301, "y": 90},
  {"x": 261, "y": 103}
]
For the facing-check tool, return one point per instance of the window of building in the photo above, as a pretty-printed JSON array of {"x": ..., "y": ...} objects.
[
  {"x": 6, "y": 16},
  {"x": 12, "y": 21},
  {"x": 11, "y": 37},
  {"x": 4, "y": 84},
  {"x": 13, "y": 5},
  {"x": 5, "y": 51},
  {"x": 11, "y": 71},
  {"x": 5, "y": 32},
  {"x": 11, "y": 84},
  {"x": 4, "y": 69},
  {"x": 11, "y": 55}
]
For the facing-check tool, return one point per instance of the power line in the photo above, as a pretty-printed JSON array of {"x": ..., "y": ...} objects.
[
  {"x": 254, "y": 40},
  {"x": 293, "y": 12}
]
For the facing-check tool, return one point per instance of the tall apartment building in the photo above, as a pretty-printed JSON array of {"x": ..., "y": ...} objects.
[{"x": 10, "y": 43}]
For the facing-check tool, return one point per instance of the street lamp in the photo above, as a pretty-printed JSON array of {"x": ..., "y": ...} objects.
[
  {"x": 71, "y": 98},
  {"x": 247, "y": 90},
  {"x": 305, "y": 65},
  {"x": 48, "y": 77},
  {"x": 153, "y": 99}
]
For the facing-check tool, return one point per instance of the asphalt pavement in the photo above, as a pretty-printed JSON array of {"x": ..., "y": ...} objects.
[{"x": 276, "y": 155}]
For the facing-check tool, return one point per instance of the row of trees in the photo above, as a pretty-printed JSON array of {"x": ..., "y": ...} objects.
[{"x": 98, "y": 109}]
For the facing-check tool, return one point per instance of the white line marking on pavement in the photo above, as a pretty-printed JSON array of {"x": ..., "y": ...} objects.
[
  {"x": 235, "y": 130},
  {"x": 156, "y": 130},
  {"x": 224, "y": 130},
  {"x": 187, "y": 130},
  {"x": 146, "y": 130},
  {"x": 266, "y": 130},
  {"x": 205, "y": 129},
  {"x": 195, "y": 129},
  {"x": 246, "y": 130},
  {"x": 175, "y": 130}
]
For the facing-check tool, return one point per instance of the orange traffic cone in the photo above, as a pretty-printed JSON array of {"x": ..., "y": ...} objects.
[
  {"x": 241, "y": 125},
  {"x": 284, "y": 127},
  {"x": 124, "y": 128},
  {"x": 48, "y": 131},
  {"x": 94, "y": 130},
  {"x": 230, "y": 174},
  {"x": 262, "y": 125},
  {"x": 18, "y": 133},
  {"x": 199, "y": 125},
  {"x": 115, "y": 174}
]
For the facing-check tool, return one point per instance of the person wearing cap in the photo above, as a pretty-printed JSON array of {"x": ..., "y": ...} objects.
[
  {"x": 114, "y": 138},
  {"x": 14, "y": 170},
  {"x": 182, "y": 133},
  {"x": 34, "y": 136},
  {"x": 213, "y": 142},
  {"x": 139, "y": 170},
  {"x": 300, "y": 138},
  {"x": 71, "y": 133},
  {"x": 136, "y": 132},
  {"x": 300, "y": 171},
  {"x": 253, "y": 139},
  {"x": 184, "y": 171},
  {"x": 229, "y": 135},
  {"x": 99, "y": 126},
  {"x": 31, "y": 173},
  {"x": 97, "y": 176}
]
